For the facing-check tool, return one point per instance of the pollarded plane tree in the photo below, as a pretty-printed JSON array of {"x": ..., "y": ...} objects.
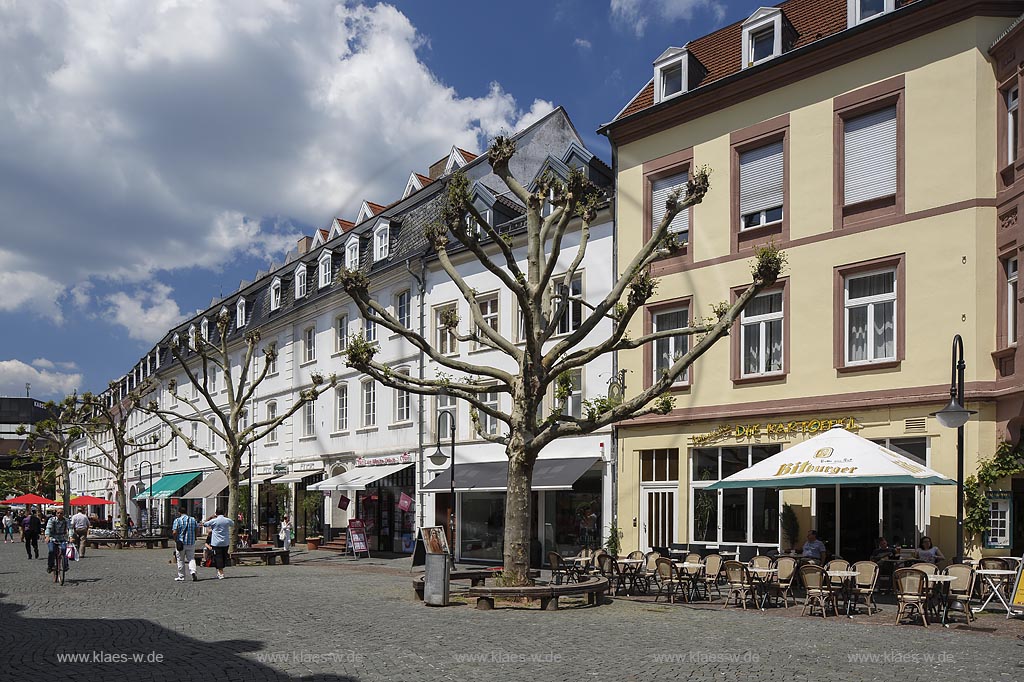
[
  {"x": 226, "y": 414},
  {"x": 525, "y": 264},
  {"x": 52, "y": 440}
]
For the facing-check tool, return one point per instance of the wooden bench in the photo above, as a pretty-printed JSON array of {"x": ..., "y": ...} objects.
[
  {"x": 476, "y": 577},
  {"x": 548, "y": 595},
  {"x": 150, "y": 543},
  {"x": 267, "y": 556}
]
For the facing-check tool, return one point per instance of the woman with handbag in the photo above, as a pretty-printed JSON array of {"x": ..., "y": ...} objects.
[{"x": 286, "y": 534}]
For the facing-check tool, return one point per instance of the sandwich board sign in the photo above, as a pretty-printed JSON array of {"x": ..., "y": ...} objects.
[
  {"x": 357, "y": 538},
  {"x": 1017, "y": 595}
]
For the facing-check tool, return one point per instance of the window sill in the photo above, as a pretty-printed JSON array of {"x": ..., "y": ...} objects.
[
  {"x": 339, "y": 434},
  {"x": 1004, "y": 352},
  {"x": 270, "y": 443},
  {"x": 306, "y": 363},
  {"x": 869, "y": 366},
  {"x": 871, "y": 211},
  {"x": 760, "y": 378},
  {"x": 400, "y": 425},
  {"x": 366, "y": 429},
  {"x": 338, "y": 353},
  {"x": 307, "y": 438}
]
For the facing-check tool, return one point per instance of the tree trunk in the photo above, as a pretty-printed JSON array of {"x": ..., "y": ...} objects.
[
  {"x": 122, "y": 502},
  {"x": 517, "y": 514},
  {"x": 232, "y": 511},
  {"x": 65, "y": 472}
]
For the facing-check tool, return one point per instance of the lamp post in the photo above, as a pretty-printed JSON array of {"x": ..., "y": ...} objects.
[
  {"x": 954, "y": 416},
  {"x": 252, "y": 515},
  {"x": 438, "y": 459},
  {"x": 149, "y": 494}
]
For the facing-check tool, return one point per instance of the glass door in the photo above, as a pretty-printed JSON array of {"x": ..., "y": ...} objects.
[{"x": 658, "y": 513}]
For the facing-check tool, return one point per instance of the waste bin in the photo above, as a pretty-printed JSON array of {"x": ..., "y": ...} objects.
[{"x": 436, "y": 580}]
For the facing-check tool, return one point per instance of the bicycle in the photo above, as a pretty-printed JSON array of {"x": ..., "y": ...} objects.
[{"x": 60, "y": 563}]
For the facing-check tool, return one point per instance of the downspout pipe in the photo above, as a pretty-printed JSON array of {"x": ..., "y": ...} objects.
[{"x": 421, "y": 285}]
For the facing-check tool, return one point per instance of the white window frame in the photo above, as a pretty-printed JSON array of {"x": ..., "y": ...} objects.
[
  {"x": 1012, "y": 123},
  {"x": 489, "y": 424},
  {"x": 324, "y": 268},
  {"x": 1012, "y": 271},
  {"x": 368, "y": 393},
  {"x": 271, "y": 415},
  {"x": 445, "y": 402},
  {"x": 381, "y": 241},
  {"x": 204, "y": 329},
  {"x": 308, "y": 419},
  {"x": 673, "y": 341},
  {"x": 341, "y": 333},
  {"x": 352, "y": 253},
  {"x": 341, "y": 408},
  {"x": 764, "y": 19},
  {"x": 762, "y": 322},
  {"x": 370, "y": 331},
  {"x": 192, "y": 337},
  {"x": 565, "y": 322},
  {"x": 674, "y": 59},
  {"x": 301, "y": 281},
  {"x": 403, "y": 401},
  {"x": 763, "y": 220},
  {"x": 1000, "y": 505},
  {"x": 273, "y": 365},
  {"x": 275, "y": 294},
  {"x": 444, "y": 338},
  {"x": 853, "y": 11},
  {"x": 473, "y": 226},
  {"x": 212, "y": 440},
  {"x": 871, "y": 302},
  {"x": 309, "y": 344},
  {"x": 573, "y": 405},
  {"x": 491, "y": 317},
  {"x": 240, "y": 313},
  {"x": 700, "y": 484},
  {"x": 404, "y": 312},
  {"x": 195, "y": 433},
  {"x": 211, "y": 378}
]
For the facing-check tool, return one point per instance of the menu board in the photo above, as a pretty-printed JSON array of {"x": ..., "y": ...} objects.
[
  {"x": 357, "y": 537},
  {"x": 1017, "y": 596}
]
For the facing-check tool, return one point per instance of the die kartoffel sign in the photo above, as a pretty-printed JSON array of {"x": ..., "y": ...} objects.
[{"x": 771, "y": 430}]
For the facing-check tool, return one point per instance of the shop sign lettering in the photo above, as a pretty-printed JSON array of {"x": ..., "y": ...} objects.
[
  {"x": 404, "y": 458},
  {"x": 771, "y": 430}
]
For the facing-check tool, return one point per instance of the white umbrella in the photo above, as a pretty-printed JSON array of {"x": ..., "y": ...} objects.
[{"x": 836, "y": 457}]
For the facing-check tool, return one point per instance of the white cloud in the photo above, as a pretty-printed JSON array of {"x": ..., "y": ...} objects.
[
  {"x": 146, "y": 314},
  {"x": 14, "y": 374},
  {"x": 165, "y": 135},
  {"x": 582, "y": 43},
  {"x": 634, "y": 14}
]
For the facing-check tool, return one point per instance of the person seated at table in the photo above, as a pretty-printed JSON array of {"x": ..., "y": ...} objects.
[
  {"x": 814, "y": 548},
  {"x": 883, "y": 550},
  {"x": 929, "y": 553}
]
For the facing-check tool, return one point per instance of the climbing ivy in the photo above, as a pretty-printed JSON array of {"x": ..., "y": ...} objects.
[{"x": 1006, "y": 461}]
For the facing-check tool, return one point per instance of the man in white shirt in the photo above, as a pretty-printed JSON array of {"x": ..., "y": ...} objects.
[
  {"x": 814, "y": 548},
  {"x": 80, "y": 528}
]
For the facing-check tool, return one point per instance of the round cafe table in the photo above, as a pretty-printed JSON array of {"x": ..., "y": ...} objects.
[
  {"x": 692, "y": 572},
  {"x": 762, "y": 578},
  {"x": 941, "y": 583},
  {"x": 848, "y": 577},
  {"x": 629, "y": 568},
  {"x": 990, "y": 575}
]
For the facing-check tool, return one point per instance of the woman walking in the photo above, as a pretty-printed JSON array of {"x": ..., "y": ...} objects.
[{"x": 285, "y": 534}]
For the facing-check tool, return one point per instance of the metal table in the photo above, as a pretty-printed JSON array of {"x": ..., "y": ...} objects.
[{"x": 989, "y": 575}]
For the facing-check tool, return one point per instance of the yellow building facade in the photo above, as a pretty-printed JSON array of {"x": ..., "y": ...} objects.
[{"x": 875, "y": 156}]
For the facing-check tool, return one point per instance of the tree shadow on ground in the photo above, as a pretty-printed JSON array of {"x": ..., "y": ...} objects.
[{"x": 127, "y": 649}]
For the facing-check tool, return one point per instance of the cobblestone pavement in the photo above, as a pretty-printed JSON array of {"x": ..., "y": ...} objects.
[{"x": 330, "y": 618}]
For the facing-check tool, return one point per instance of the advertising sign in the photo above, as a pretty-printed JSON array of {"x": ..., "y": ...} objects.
[{"x": 357, "y": 537}]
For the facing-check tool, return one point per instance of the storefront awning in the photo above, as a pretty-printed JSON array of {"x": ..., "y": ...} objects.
[
  {"x": 297, "y": 476},
  {"x": 548, "y": 474},
  {"x": 166, "y": 486},
  {"x": 359, "y": 477},
  {"x": 211, "y": 486},
  {"x": 257, "y": 479}
]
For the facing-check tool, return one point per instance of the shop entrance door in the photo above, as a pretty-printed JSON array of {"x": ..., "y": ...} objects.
[{"x": 659, "y": 511}]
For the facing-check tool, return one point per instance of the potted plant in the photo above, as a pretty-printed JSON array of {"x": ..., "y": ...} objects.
[
  {"x": 310, "y": 505},
  {"x": 613, "y": 544}
]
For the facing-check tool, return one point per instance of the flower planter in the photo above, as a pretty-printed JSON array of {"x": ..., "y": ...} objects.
[{"x": 313, "y": 543}]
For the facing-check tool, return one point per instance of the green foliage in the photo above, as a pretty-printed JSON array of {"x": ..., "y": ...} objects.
[
  {"x": 563, "y": 387},
  {"x": 614, "y": 542},
  {"x": 449, "y": 318},
  {"x": 769, "y": 263},
  {"x": 641, "y": 288},
  {"x": 790, "y": 525},
  {"x": 1006, "y": 461},
  {"x": 359, "y": 352},
  {"x": 663, "y": 404},
  {"x": 500, "y": 151}
]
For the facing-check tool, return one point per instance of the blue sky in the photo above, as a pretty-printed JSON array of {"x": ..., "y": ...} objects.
[{"x": 145, "y": 173}]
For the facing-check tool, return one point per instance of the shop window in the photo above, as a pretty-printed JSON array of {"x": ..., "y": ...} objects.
[{"x": 741, "y": 515}]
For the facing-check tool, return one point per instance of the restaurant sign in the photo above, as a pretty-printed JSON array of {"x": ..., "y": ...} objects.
[
  {"x": 771, "y": 430},
  {"x": 404, "y": 458}
]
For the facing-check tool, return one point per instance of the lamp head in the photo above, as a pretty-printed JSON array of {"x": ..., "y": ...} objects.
[
  {"x": 953, "y": 415},
  {"x": 438, "y": 458}
]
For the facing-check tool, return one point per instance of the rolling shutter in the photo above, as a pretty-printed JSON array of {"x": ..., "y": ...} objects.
[
  {"x": 660, "y": 190},
  {"x": 870, "y": 156},
  {"x": 761, "y": 179}
]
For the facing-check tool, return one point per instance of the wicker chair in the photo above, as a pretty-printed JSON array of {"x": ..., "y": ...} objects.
[
  {"x": 864, "y": 585},
  {"x": 784, "y": 579},
  {"x": 911, "y": 587},
  {"x": 635, "y": 554},
  {"x": 595, "y": 564},
  {"x": 926, "y": 568},
  {"x": 761, "y": 561},
  {"x": 560, "y": 570},
  {"x": 738, "y": 584},
  {"x": 692, "y": 558},
  {"x": 647, "y": 573},
  {"x": 992, "y": 564},
  {"x": 669, "y": 580},
  {"x": 819, "y": 589},
  {"x": 609, "y": 568},
  {"x": 961, "y": 589},
  {"x": 712, "y": 574}
]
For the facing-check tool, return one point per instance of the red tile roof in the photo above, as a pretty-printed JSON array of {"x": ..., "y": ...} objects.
[
  {"x": 324, "y": 234},
  {"x": 345, "y": 225},
  {"x": 424, "y": 179},
  {"x": 468, "y": 156},
  {"x": 376, "y": 208},
  {"x": 721, "y": 52}
]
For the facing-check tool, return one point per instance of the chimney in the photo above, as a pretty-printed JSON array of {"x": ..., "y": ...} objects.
[{"x": 304, "y": 244}]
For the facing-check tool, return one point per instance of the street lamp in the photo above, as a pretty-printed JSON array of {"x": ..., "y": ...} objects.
[
  {"x": 438, "y": 459},
  {"x": 149, "y": 495},
  {"x": 954, "y": 416}
]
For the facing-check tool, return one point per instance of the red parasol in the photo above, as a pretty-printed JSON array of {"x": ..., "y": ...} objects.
[
  {"x": 86, "y": 500},
  {"x": 27, "y": 499}
]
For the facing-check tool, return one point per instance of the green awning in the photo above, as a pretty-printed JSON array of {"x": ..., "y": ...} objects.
[{"x": 167, "y": 486}]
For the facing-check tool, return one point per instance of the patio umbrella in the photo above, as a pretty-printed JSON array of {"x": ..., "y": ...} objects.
[
  {"x": 27, "y": 499},
  {"x": 836, "y": 457},
  {"x": 86, "y": 500}
]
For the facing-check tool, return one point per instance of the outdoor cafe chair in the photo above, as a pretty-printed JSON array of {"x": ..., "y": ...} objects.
[
  {"x": 911, "y": 586},
  {"x": 925, "y": 567},
  {"x": 738, "y": 584},
  {"x": 692, "y": 558},
  {"x": 647, "y": 572},
  {"x": 961, "y": 589},
  {"x": 783, "y": 584},
  {"x": 992, "y": 564},
  {"x": 560, "y": 570},
  {"x": 635, "y": 554},
  {"x": 818, "y": 589},
  {"x": 712, "y": 574},
  {"x": 837, "y": 565},
  {"x": 864, "y": 584},
  {"x": 595, "y": 565},
  {"x": 669, "y": 580},
  {"x": 609, "y": 568},
  {"x": 761, "y": 561}
]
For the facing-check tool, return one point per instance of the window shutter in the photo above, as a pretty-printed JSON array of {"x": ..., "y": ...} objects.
[
  {"x": 870, "y": 156},
  {"x": 761, "y": 178},
  {"x": 660, "y": 190}
]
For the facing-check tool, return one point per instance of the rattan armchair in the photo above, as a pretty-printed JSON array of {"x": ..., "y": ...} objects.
[
  {"x": 669, "y": 580},
  {"x": 738, "y": 584},
  {"x": 712, "y": 574},
  {"x": 961, "y": 589},
  {"x": 911, "y": 587},
  {"x": 819, "y": 589},
  {"x": 863, "y": 588}
]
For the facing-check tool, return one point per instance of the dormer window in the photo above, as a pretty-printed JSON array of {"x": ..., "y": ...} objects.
[
  {"x": 192, "y": 337},
  {"x": 275, "y": 293},
  {"x": 473, "y": 226},
  {"x": 325, "y": 269},
  {"x": 676, "y": 71},
  {"x": 762, "y": 36},
  {"x": 352, "y": 254},
  {"x": 300, "y": 281},
  {"x": 672, "y": 80},
  {"x": 176, "y": 341},
  {"x": 204, "y": 329},
  {"x": 240, "y": 313},
  {"x": 381, "y": 241},
  {"x": 859, "y": 11}
]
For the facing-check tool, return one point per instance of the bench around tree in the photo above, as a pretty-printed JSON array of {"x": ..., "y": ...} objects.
[{"x": 548, "y": 595}]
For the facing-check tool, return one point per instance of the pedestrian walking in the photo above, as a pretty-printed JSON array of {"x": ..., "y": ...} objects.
[
  {"x": 286, "y": 532},
  {"x": 31, "y": 526},
  {"x": 8, "y": 522},
  {"x": 80, "y": 527},
  {"x": 220, "y": 539},
  {"x": 184, "y": 532}
]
